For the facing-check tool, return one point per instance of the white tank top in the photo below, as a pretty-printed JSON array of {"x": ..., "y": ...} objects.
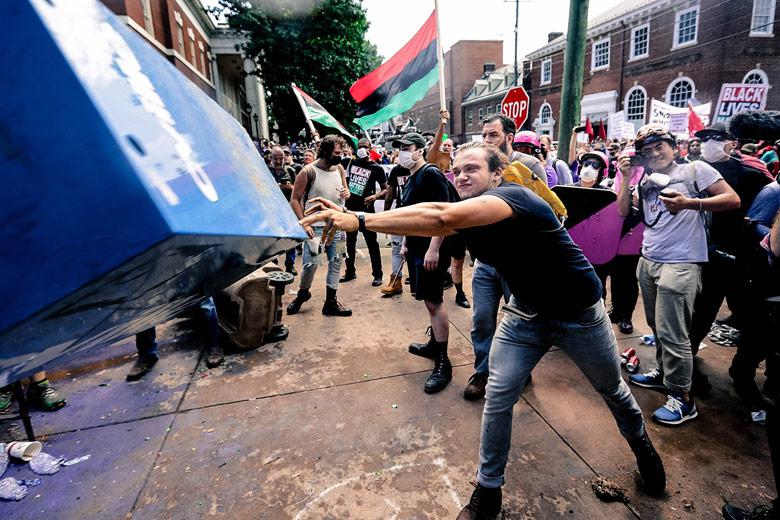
[{"x": 327, "y": 184}]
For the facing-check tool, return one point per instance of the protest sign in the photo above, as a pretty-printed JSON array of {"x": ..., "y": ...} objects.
[{"x": 738, "y": 97}]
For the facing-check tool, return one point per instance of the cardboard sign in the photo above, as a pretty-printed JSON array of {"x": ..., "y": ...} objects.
[
  {"x": 678, "y": 122},
  {"x": 661, "y": 113},
  {"x": 739, "y": 97},
  {"x": 615, "y": 122}
]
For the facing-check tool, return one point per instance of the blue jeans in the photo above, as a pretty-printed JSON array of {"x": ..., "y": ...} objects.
[
  {"x": 397, "y": 259},
  {"x": 518, "y": 346},
  {"x": 312, "y": 259},
  {"x": 487, "y": 289},
  {"x": 207, "y": 327}
]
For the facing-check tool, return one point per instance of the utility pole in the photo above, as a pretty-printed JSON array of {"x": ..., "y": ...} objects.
[
  {"x": 517, "y": 24},
  {"x": 573, "y": 67}
]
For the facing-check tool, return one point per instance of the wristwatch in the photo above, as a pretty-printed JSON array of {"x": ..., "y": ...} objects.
[{"x": 361, "y": 215}]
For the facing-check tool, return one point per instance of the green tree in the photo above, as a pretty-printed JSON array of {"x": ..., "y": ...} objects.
[{"x": 321, "y": 48}]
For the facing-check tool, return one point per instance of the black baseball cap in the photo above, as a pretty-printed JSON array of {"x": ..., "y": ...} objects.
[
  {"x": 717, "y": 130},
  {"x": 410, "y": 138}
]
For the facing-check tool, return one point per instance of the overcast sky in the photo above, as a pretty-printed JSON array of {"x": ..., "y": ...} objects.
[{"x": 394, "y": 22}]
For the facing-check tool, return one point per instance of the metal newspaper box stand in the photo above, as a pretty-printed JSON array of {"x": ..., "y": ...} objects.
[{"x": 128, "y": 193}]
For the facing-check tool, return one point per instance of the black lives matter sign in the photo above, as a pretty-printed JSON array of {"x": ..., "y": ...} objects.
[{"x": 739, "y": 97}]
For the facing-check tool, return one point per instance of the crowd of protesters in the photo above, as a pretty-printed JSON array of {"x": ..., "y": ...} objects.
[{"x": 688, "y": 225}]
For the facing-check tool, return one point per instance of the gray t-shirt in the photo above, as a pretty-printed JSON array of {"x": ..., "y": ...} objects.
[{"x": 682, "y": 237}]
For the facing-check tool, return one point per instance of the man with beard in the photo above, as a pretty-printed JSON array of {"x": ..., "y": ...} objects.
[{"x": 324, "y": 178}]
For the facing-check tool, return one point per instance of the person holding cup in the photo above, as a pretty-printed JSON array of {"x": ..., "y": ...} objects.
[{"x": 672, "y": 199}]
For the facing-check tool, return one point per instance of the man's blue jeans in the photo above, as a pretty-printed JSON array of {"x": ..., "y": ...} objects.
[
  {"x": 206, "y": 325},
  {"x": 312, "y": 260},
  {"x": 487, "y": 289},
  {"x": 518, "y": 346}
]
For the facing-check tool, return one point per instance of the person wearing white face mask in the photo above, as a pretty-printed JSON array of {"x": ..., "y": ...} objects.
[
  {"x": 363, "y": 175},
  {"x": 726, "y": 273},
  {"x": 427, "y": 262}
]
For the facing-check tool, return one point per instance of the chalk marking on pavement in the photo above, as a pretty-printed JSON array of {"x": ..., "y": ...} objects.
[
  {"x": 453, "y": 494},
  {"x": 323, "y": 493}
]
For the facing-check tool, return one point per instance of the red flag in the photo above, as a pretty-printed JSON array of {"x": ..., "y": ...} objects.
[
  {"x": 588, "y": 128},
  {"x": 602, "y": 131},
  {"x": 374, "y": 155},
  {"x": 694, "y": 121}
]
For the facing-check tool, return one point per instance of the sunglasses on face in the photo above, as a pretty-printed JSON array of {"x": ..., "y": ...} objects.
[
  {"x": 712, "y": 138},
  {"x": 594, "y": 164}
]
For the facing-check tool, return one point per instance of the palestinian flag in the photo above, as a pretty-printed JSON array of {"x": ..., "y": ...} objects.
[
  {"x": 315, "y": 112},
  {"x": 396, "y": 85}
]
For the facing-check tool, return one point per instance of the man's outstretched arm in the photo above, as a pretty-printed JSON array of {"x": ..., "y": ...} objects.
[{"x": 429, "y": 219}]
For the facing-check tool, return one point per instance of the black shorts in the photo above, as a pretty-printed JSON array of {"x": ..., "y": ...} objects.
[
  {"x": 456, "y": 246},
  {"x": 427, "y": 285}
]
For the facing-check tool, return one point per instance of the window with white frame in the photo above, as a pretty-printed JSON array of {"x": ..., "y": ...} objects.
[
  {"x": 179, "y": 31},
  {"x": 545, "y": 114},
  {"x": 680, "y": 91},
  {"x": 546, "y": 71},
  {"x": 471, "y": 117},
  {"x": 481, "y": 114},
  {"x": 202, "y": 56},
  {"x": 498, "y": 108},
  {"x": 600, "y": 54},
  {"x": 191, "y": 34},
  {"x": 636, "y": 103},
  {"x": 490, "y": 110},
  {"x": 756, "y": 76},
  {"x": 146, "y": 5},
  {"x": 762, "y": 21},
  {"x": 640, "y": 42},
  {"x": 686, "y": 27}
]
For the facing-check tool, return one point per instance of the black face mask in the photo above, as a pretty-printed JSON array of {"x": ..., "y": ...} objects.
[{"x": 333, "y": 161}]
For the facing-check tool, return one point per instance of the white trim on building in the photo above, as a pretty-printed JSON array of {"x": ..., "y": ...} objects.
[
  {"x": 668, "y": 96},
  {"x": 597, "y": 54},
  {"x": 682, "y": 28},
  {"x": 756, "y": 72},
  {"x": 762, "y": 25},
  {"x": 643, "y": 38}
]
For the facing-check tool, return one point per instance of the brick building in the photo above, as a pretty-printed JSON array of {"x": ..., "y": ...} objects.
[
  {"x": 670, "y": 50},
  {"x": 463, "y": 63},
  {"x": 183, "y": 32}
]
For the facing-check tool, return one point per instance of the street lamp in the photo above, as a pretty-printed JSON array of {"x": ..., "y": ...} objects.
[{"x": 256, "y": 117}]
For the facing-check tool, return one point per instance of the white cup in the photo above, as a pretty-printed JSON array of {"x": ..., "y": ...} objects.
[{"x": 24, "y": 450}]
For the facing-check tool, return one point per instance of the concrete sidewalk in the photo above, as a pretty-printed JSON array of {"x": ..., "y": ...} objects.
[{"x": 333, "y": 423}]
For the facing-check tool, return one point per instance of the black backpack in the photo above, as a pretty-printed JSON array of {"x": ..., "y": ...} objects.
[{"x": 452, "y": 193}]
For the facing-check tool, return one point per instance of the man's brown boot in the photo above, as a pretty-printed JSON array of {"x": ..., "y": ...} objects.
[{"x": 394, "y": 286}]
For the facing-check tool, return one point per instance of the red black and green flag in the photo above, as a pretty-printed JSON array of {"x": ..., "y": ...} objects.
[{"x": 396, "y": 85}]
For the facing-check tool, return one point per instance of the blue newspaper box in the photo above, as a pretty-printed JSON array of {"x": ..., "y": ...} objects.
[{"x": 128, "y": 193}]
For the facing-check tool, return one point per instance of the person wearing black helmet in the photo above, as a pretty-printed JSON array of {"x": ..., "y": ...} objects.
[{"x": 674, "y": 246}]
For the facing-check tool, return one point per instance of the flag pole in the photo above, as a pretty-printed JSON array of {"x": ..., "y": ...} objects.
[
  {"x": 440, "y": 58},
  {"x": 313, "y": 130}
]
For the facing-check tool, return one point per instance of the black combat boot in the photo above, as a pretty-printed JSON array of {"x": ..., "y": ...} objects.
[
  {"x": 332, "y": 306},
  {"x": 303, "y": 296},
  {"x": 650, "y": 465},
  {"x": 426, "y": 350},
  {"x": 442, "y": 370},
  {"x": 485, "y": 504}
]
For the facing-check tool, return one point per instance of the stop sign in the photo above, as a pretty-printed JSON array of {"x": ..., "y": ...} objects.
[{"x": 515, "y": 105}]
